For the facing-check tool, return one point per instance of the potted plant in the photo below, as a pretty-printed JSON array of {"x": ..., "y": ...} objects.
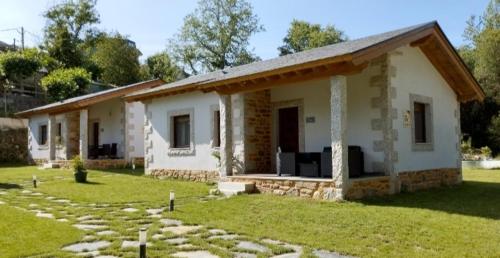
[{"x": 79, "y": 170}]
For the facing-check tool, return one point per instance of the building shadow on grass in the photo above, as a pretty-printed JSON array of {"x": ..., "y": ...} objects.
[
  {"x": 7, "y": 186},
  {"x": 472, "y": 198}
]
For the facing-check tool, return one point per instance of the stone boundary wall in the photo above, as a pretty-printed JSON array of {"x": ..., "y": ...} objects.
[
  {"x": 315, "y": 189},
  {"x": 412, "y": 181},
  {"x": 190, "y": 175},
  {"x": 368, "y": 187},
  {"x": 13, "y": 145}
]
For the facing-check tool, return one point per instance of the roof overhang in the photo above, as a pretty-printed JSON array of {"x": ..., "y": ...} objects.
[
  {"x": 82, "y": 102},
  {"x": 429, "y": 38}
]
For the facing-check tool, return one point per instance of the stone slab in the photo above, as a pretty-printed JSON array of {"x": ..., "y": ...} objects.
[
  {"x": 179, "y": 230},
  {"x": 252, "y": 246},
  {"x": 86, "y": 247},
  {"x": 195, "y": 254}
]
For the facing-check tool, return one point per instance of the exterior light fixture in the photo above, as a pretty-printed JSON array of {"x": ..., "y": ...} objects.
[
  {"x": 142, "y": 242},
  {"x": 172, "y": 198},
  {"x": 34, "y": 181}
]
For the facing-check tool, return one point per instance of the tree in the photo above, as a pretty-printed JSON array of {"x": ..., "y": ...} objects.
[
  {"x": 117, "y": 59},
  {"x": 69, "y": 24},
  {"x": 161, "y": 66},
  {"x": 482, "y": 56},
  {"x": 13, "y": 67},
  {"x": 303, "y": 35},
  {"x": 216, "y": 35},
  {"x": 66, "y": 83}
]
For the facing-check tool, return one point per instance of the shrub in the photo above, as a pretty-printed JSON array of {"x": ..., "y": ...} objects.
[{"x": 66, "y": 83}]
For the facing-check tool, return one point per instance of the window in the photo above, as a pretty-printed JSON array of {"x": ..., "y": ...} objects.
[
  {"x": 42, "y": 140},
  {"x": 419, "y": 120},
  {"x": 421, "y": 124},
  {"x": 216, "y": 134},
  {"x": 182, "y": 131}
]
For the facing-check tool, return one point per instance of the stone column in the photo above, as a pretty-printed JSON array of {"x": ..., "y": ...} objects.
[
  {"x": 84, "y": 145},
  {"x": 51, "y": 131},
  {"x": 226, "y": 139},
  {"x": 338, "y": 105}
]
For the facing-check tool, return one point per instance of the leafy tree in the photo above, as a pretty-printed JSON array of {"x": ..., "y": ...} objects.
[
  {"x": 117, "y": 59},
  {"x": 303, "y": 35},
  {"x": 161, "y": 66},
  {"x": 17, "y": 65},
  {"x": 216, "y": 35},
  {"x": 69, "y": 24},
  {"x": 66, "y": 83},
  {"x": 482, "y": 55}
]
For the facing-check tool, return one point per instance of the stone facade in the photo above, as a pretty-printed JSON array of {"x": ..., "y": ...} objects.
[
  {"x": 13, "y": 144},
  {"x": 258, "y": 126},
  {"x": 190, "y": 175},
  {"x": 308, "y": 188},
  {"x": 418, "y": 180},
  {"x": 368, "y": 187}
]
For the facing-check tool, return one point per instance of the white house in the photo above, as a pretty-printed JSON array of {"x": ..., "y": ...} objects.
[
  {"x": 371, "y": 116},
  {"x": 100, "y": 127}
]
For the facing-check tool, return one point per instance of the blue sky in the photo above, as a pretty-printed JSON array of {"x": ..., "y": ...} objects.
[{"x": 151, "y": 22}]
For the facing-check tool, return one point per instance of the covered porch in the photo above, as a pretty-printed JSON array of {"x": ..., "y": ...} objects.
[{"x": 323, "y": 136}]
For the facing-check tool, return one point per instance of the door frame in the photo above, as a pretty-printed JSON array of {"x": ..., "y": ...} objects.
[
  {"x": 275, "y": 106},
  {"x": 91, "y": 131}
]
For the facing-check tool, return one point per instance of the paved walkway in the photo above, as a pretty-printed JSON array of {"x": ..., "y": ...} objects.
[{"x": 112, "y": 230}]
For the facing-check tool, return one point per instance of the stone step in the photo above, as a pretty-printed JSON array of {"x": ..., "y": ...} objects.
[
  {"x": 49, "y": 165},
  {"x": 235, "y": 188}
]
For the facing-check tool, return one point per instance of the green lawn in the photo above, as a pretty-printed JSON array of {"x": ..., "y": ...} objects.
[
  {"x": 460, "y": 221},
  {"x": 448, "y": 222},
  {"x": 24, "y": 234}
]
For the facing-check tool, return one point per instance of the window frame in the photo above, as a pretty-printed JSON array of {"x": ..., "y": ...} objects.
[
  {"x": 175, "y": 137},
  {"x": 40, "y": 135},
  {"x": 183, "y": 150},
  {"x": 427, "y": 103}
]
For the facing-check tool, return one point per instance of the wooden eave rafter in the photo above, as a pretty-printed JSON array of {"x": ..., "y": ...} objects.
[{"x": 450, "y": 66}]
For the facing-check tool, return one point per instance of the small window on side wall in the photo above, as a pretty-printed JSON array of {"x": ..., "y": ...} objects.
[
  {"x": 182, "y": 131},
  {"x": 419, "y": 122},
  {"x": 422, "y": 124},
  {"x": 42, "y": 137},
  {"x": 216, "y": 130}
]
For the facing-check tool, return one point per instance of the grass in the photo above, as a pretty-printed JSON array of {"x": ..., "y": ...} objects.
[
  {"x": 461, "y": 221},
  {"x": 448, "y": 222},
  {"x": 24, "y": 234}
]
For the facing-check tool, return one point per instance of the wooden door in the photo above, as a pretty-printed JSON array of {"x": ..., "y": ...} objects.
[
  {"x": 95, "y": 134},
  {"x": 288, "y": 129}
]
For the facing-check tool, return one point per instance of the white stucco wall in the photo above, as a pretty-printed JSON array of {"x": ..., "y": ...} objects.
[
  {"x": 202, "y": 158},
  {"x": 416, "y": 75},
  {"x": 37, "y": 151},
  {"x": 316, "y": 99},
  {"x": 110, "y": 116}
]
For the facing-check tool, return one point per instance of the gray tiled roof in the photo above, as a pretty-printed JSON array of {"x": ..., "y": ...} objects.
[{"x": 317, "y": 54}]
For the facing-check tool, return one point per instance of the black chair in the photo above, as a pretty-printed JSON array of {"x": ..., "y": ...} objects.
[
  {"x": 106, "y": 149},
  {"x": 355, "y": 161},
  {"x": 114, "y": 150}
]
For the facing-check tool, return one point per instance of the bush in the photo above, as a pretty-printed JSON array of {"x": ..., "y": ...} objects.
[
  {"x": 79, "y": 170},
  {"x": 16, "y": 65},
  {"x": 66, "y": 83}
]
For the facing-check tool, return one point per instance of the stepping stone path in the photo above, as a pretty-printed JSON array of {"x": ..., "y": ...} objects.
[
  {"x": 177, "y": 241},
  {"x": 89, "y": 226},
  {"x": 252, "y": 246},
  {"x": 180, "y": 230},
  {"x": 195, "y": 254},
  {"x": 130, "y": 210},
  {"x": 86, "y": 247},
  {"x": 113, "y": 229},
  {"x": 133, "y": 244}
]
